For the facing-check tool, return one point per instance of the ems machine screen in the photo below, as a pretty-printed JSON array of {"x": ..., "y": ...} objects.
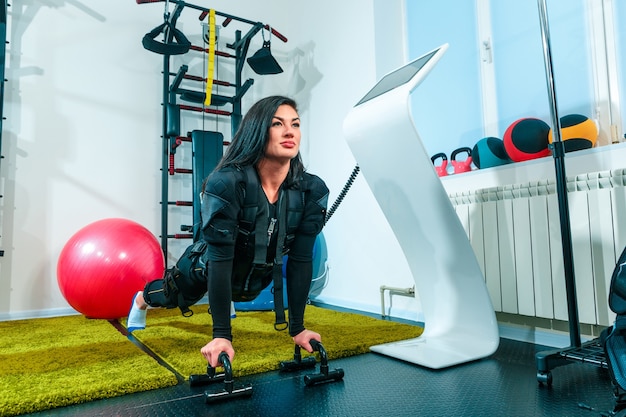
[{"x": 397, "y": 78}]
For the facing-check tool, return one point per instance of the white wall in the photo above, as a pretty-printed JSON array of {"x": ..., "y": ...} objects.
[
  {"x": 81, "y": 139},
  {"x": 363, "y": 252}
]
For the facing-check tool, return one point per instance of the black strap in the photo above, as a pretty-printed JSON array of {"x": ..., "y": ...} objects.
[
  {"x": 295, "y": 209},
  {"x": 250, "y": 200},
  {"x": 277, "y": 272},
  {"x": 171, "y": 288},
  {"x": 279, "y": 307},
  {"x": 250, "y": 211},
  {"x": 179, "y": 47}
]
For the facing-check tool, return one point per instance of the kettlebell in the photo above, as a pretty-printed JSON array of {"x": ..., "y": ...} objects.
[
  {"x": 441, "y": 170},
  {"x": 461, "y": 166}
]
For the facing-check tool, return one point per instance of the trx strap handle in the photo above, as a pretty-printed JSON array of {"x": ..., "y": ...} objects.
[
  {"x": 181, "y": 46},
  {"x": 176, "y": 43}
]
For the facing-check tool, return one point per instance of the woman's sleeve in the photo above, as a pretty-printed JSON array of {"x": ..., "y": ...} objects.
[
  {"x": 300, "y": 259},
  {"x": 220, "y": 293}
]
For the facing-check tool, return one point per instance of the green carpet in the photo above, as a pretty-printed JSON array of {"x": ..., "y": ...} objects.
[
  {"x": 55, "y": 362},
  {"x": 258, "y": 347}
]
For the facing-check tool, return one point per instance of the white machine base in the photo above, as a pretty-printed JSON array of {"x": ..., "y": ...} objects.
[
  {"x": 460, "y": 321},
  {"x": 435, "y": 353}
]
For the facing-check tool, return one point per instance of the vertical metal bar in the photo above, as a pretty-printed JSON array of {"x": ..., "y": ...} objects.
[
  {"x": 3, "y": 51},
  {"x": 168, "y": 36},
  {"x": 165, "y": 157},
  {"x": 558, "y": 152}
]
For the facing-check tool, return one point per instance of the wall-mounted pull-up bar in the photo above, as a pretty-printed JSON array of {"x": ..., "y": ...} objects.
[
  {"x": 174, "y": 42},
  {"x": 228, "y": 18}
]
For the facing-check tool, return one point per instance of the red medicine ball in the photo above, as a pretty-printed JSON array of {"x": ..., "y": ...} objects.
[{"x": 526, "y": 139}]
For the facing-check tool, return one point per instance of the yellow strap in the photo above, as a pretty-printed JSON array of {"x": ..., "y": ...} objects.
[{"x": 210, "y": 59}]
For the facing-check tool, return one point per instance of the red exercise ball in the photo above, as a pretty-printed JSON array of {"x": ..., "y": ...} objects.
[
  {"x": 527, "y": 139},
  {"x": 105, "y": 263}
]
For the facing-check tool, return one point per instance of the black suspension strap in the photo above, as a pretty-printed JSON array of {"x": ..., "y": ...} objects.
[{"x": 176, "y": 43}]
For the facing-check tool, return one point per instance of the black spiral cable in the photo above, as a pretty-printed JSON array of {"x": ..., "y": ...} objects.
[{"x": 343, "y": 192}]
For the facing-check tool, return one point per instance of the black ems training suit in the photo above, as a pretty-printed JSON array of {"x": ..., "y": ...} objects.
[{"x": 242, "y": 241}]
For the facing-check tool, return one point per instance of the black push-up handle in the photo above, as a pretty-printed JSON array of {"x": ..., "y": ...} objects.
[
  {"x": 298, "y": 363},
  {"x": 229, "y": 391},
  {"x": 210, "y": 377},
  {"x": 325, "y": 374}
]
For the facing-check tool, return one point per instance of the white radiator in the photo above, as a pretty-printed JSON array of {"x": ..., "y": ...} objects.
[{"x": 515, "y": 232}]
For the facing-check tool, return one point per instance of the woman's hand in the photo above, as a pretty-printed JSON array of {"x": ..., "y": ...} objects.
[
  {"x": 303, "y": 339},
  {"x": 211, "y": 351}
]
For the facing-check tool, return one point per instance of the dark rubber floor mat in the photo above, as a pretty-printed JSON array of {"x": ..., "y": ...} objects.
[{"x": 504, "y": 384}]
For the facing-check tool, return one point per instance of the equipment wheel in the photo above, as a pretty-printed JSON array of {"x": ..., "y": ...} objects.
[{"x": 544, "y": 377}]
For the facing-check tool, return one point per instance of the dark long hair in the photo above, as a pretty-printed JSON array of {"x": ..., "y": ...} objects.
[{"x": 248, "y": 144}]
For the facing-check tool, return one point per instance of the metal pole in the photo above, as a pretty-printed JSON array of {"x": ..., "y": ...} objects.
[
  {"x": 558, "y": 152},
  {"x": 165, "y": 157},
  {"x": 168, "y": 36},
  {"x": 3, "y": 52}
]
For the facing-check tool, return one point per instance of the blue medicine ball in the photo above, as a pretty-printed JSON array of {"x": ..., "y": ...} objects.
[{"x": 489, "y": 152}]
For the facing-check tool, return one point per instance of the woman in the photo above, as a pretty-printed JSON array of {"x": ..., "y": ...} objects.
[{"x": 268, "y": 140}]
